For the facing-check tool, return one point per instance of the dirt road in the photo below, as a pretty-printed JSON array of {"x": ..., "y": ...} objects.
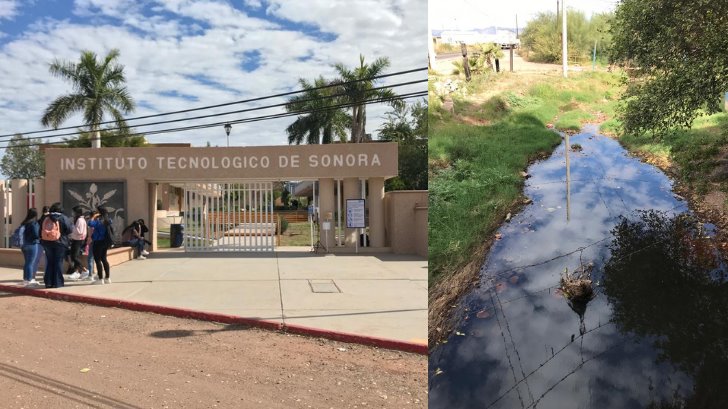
[
  {"x": 57, "y": 354},
  {"x": 444, "y": 66}
]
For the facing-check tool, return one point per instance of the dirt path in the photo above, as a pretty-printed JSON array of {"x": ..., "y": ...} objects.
[{"x": 65, "y": 355}]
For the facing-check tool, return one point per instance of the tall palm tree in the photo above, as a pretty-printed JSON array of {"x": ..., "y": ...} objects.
[
  {"x": 357, "y": 85},
  {"x": 99, "y": 88},
  {"x": 321, "y": 123}
]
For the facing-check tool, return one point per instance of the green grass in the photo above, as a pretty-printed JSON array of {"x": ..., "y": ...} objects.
[
  {"x": 470, "y": 196},
  {"x": 163, "y": 242},
  {"x": 693, "y": 151},
  {"x": 572, "y": 120},
  {"x": 297, "y": 234},
  {"x": 475, "y": 170}
]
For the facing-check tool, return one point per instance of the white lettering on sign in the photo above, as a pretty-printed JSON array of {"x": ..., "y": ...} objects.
[
  {"x": 341, "y": 160},
  {"x": 127, "y": 163}
]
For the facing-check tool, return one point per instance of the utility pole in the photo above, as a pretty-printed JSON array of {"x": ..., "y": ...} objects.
[
  {"x": 466, "y": 64},
  {"x": 564, "y": 54},
  {"x": 430, "y": 46},
  {"x": 557, "y": 15}
]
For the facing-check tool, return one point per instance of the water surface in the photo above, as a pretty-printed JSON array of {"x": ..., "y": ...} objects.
[{"x": 655, "y": 336}]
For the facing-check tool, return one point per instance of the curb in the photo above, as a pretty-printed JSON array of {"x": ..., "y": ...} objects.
[{"x": 221, "y": 318}]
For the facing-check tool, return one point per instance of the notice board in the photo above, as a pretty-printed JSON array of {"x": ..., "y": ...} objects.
[{"x": 355, "y": 213}]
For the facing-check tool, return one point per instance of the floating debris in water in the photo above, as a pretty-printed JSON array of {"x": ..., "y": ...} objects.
[
  {"x": 577, "y": 287},
  {"x": 484, "y": 314},
  {"x": 478, "y": 333},
  {"x": 576, "y": 147},
  {"x": 527, "y": 201},
  {"x": 525, "y": 175},
  {"x": 508, "y": 217},
  {"x": 460, "y": 334}
]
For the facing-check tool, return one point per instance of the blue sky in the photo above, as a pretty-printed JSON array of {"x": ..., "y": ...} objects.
[{"x": 181, "y": 54}]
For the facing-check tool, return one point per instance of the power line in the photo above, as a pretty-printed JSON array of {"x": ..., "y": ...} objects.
[
  {"x": 283, "y": 104},
  {"x": 284, "y": 94},
  {"x": 244, "y": 120}
]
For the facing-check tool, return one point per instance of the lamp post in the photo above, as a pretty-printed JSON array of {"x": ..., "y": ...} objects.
[{"x": 228, "y": 127}]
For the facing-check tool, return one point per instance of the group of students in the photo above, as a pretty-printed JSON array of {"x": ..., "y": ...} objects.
[{"x": 60, "y": 236}]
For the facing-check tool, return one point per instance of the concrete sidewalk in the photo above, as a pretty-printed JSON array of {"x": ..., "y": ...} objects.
[{"x": 374, "y": 295}]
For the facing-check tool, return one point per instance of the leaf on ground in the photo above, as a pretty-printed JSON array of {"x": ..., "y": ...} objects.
[{"x": 84, "y": 370}]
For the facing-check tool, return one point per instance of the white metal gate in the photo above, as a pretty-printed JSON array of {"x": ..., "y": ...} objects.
[{"x": 229, "y": 217}]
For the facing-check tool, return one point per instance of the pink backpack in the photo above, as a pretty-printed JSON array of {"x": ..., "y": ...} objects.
[{"x": 51, "y": 230}]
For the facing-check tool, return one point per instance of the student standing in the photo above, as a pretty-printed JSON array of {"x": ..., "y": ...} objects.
[
  {"x": 54, "y": 231},
  {"x": 101, "y": 234},
  {"x": 31, "y": 246},
  {"x": 77, "y": 237},
  {"x": 89, "y": 252}
]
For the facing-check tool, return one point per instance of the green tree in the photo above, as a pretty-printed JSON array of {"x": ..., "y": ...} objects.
[
  {"x": 677, "y": 60},
  {"x": 407, "y": 125},
  {"x": 98, "y": 90},
  {"x": 541, "y": 38},
  {"x": 321, "y": 123},
  {"x": 22, "y": 159},
  {"x": 109, "y": 138},
  {"x": 357, "y": 85}
]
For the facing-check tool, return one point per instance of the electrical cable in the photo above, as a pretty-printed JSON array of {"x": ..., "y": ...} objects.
[
  {"x": 228, "y": 103},
  {"x": 239, "y": 121},
  {"x": 227, "y": 113}
]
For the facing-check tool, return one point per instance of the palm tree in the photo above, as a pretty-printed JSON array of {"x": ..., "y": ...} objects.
[
  {"x": 98, "y": 89},
  {"x": 357, "y": 86},
  {"x": 321, "y": 123}
]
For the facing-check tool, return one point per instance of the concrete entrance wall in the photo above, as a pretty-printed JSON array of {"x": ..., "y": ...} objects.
[
  {"x": 406, "y": 213},
  {"x": 141, "y": 169}
]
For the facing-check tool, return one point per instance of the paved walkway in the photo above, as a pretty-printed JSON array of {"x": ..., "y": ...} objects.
[{"x": 374, "y": 295}]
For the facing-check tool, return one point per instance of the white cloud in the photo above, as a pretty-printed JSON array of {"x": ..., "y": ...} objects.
[
  {"x": 256, "y": 4},
  {"x": 8, "y": 9},
  {"x": 199, "y": 52}
]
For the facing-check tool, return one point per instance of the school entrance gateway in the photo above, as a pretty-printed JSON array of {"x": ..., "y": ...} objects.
[
  {"x": 229, "y": 216},
  {"x": 227, "y": 193}
]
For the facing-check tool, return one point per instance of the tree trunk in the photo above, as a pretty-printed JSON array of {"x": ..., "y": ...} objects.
[
  {"x": 363, "y": 124},
  {"x": 95, "y": 138},
  {"x": 356, "y": 124}
]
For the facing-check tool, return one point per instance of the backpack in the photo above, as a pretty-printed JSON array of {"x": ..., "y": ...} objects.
[
  {"x": 51, "y": 230},
  {"x": 109, "y": 238},
  {"x": 16, "y": 240}
]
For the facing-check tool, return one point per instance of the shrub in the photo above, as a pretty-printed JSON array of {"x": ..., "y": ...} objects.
[{"x": 284, "y": 226}]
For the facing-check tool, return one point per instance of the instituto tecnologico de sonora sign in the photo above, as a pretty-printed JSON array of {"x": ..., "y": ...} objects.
[{"x": 360, "y": 160}]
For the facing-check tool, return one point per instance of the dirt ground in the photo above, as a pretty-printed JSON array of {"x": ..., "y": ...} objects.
[
  {"x": 58, "y": 354},
  {"x": 444, "y": 66}
]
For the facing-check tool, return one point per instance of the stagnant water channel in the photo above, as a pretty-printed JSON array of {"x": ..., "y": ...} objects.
[{"x": 655, "y": 335}]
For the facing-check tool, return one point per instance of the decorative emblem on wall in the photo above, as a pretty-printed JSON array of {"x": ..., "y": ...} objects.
[{"x": 89, "y": 195}]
